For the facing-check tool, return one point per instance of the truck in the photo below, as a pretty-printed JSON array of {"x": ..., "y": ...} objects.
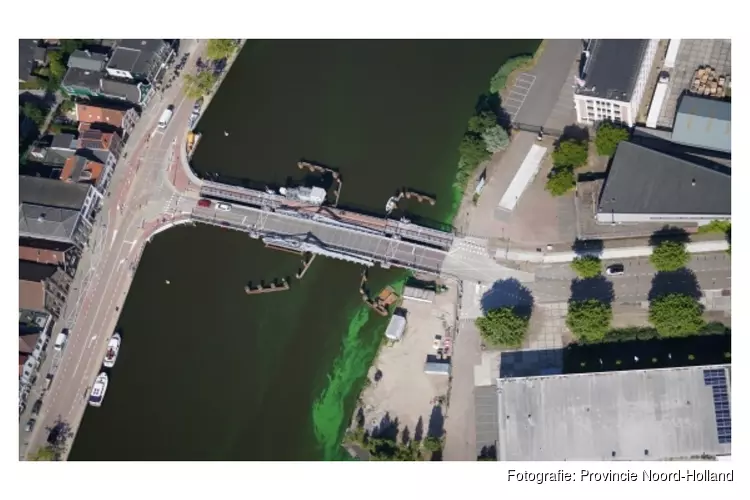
[{"x": 166, "y": 116}]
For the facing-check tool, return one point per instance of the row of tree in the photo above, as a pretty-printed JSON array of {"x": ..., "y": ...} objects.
[{"x": 202, "y": 83}]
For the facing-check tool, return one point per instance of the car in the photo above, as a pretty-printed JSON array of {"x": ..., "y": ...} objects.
[
  {"x": 223, "y": 207},
  {"x": 616, "y": 270},
  {"x": 30, "y": 425},
  {"x": 37, "y": 407},
  {"x": 204, "y": 203}
]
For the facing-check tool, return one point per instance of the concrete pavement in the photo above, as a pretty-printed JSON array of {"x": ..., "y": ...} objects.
[{"x": 139, "y": 191}]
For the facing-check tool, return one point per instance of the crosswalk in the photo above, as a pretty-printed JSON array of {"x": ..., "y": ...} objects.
[{"x": 171, "y": 204}]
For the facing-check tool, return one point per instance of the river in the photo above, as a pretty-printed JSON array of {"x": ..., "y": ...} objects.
[{"x": 209, "y": 373}]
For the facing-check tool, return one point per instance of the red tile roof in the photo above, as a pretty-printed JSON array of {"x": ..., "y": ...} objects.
[{"x": 41, "y": 255}]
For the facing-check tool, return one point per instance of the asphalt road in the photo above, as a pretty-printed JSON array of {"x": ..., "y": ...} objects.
[{"x": 140, "y": 193}]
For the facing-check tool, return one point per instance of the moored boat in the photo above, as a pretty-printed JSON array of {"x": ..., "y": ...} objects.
[
  {"x": 113, "y": 348},
  {"x": 99, "y": 390}
]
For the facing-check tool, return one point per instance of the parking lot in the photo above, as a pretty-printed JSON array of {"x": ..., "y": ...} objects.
[{"x": 515, "y": 96}]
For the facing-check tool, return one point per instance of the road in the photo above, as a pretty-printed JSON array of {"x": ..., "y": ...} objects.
[{"x": 142, "y": 197}]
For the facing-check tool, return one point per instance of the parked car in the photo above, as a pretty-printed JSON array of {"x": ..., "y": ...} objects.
[
  {"x": 616, "y": 270},
  {"x": 37, "y": 407},
  {"x": 30, "y": 425},
  {"x": 204, "y": 203},
  {"x": 223, "y": 207}
]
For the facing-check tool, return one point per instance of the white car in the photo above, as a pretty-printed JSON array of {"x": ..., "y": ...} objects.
[
  {"x": 616, "y": 270},
  {"x": 223, "y": 207}
]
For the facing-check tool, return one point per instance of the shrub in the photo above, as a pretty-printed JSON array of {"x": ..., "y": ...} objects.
[
  {"x": 498, "y": 81},
  {"x": 495, "y": 139},
  {"x": 589, "y": 320},
  {"x": 676, "y": 315},
  {"x": 587, "y": 266},
  {"x": 503, "y": 327},
  {"x": 608, "y": 136},
  {"x": 571, "y": 153},
  {"x": 560, "y": 181},
  {"x": 669, "y": 256}
]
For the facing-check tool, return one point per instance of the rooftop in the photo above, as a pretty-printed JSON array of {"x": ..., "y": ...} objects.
[
  {"x": 626, "y": 415},
  {"x": 646, "y": 181},
  {"x": 41, "y": 255},
  {"x": 137, "y": 56},
  {"x": 58, "y": 224},
  {"x": 32, "y": 271},
  {"x": 64, "y": 141},
  {"x": 96, "y": 114},
  {"x": 86, "y": 60},
  {"x": 612, "y": 68},
  {"x": 51, "y": 193},
  {"x": 94, "y": 139},
  {"x": 83, "y": 78},
  {"x": 122, "y": 90},
  {"x": 80, "y": 169},
  {"x": 27, "y": 53},
  {"x": 31, "y": 295},
  {"x": 704, "y": 123}
]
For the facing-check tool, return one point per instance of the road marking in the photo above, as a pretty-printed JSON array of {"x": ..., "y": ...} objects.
[{"x": 114, "y": 235}]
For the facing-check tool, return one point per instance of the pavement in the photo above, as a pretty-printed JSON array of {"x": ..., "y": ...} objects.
[{"x": 140, "y": 192}]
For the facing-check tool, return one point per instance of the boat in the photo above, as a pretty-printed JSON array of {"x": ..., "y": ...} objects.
[
  {"x": 313, "y": 196},
  {"x": 113, "y": 347},
  {"x": 391, "y": 205},
  {"x": 99, "y": 390}
]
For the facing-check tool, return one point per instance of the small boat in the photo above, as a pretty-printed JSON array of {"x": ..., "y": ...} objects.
[
  {"x": 113, "y": 347},
  {"x": 391, "y": 205},
  {"x": 99, "y": 390}
]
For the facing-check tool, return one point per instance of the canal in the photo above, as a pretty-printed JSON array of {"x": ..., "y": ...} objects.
[{"x": 209, "y": 373}]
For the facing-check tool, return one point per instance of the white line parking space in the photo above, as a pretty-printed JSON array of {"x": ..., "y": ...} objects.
[{"x": 516, "y": 95}]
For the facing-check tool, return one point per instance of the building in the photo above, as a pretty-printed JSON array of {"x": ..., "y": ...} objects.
[
  {"x": 703, "y": 123},
  {"x": 134, "y": 93},
  {"x": 613, "y": 80},
  {"x": 55, "y": 211},
  {"x": 82, "y": 170},
  {"x": 120, "y": 119},
  {"x": 87, "y": 61},
  {"x": 27, "y": 52},
  {"x": 53, "y": 254},
  {"x": 34, "y": 322},
  {"x": 87, "y": 84},
  {"x": 139, "y": 60},
  {"x": 646, "y": 185},
  {"x": 639, "y": 415},
  {"x": 83, "y": 83}
]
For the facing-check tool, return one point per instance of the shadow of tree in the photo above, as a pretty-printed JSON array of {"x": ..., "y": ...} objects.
[
  {"x": 387, "y": 428},
  {"x": 437, "y": 420},
  {"x": 508, "y": 293},
  {"x": 682, "y": 281},
  {"x": 488, "y": 453},
  {"x": 60, "y": 432},
  {"x": 599, "y": 288},
  {"x": 574, "y": 132},
  {"x": 669, "y": 233},
  {"x": 405, "y": 435},
  {"x": 588, "y": 247},
  {"x": 419, "y": 430}
]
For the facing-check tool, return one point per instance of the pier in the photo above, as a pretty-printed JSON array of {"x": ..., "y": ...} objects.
[{"x": 282, "y": 286}]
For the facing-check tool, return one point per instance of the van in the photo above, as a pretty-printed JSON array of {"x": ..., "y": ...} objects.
[
  {"x": 166, "y": 116},
  {"x": 61, "y": 340},
  {"x": 48, "y": 380}
]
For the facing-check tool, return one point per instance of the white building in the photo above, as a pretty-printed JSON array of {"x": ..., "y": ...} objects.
[{"x": 613, "y": 80}]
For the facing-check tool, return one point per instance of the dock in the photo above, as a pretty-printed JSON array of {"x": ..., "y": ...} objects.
[
  {"x": 306, "y": 262},
  {"x": 383, "y": 301},
  {"x": 314, "y": 167},
  {"x": 282, "y": 286}
]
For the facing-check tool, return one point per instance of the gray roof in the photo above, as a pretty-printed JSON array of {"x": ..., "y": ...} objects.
[
  {"x": 645, "y": 181},
  {"x": 26, "y": 53},
  {"x": 51, "y": 193},
  {"x": 704, "y": 123},
  {"x": 64, "y": 141},
  {"x": 57, "y": 224},
  {"x": 669, "y": 412},
  {"x": 83, "y": 78},
  {"x": 122, "y": 90},
  {"x": 612, "y": 69},
  {"x": 139, "y": 57},
  {"x": 86, "y": 60}
]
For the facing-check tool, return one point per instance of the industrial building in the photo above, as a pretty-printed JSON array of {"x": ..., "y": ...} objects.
[
  {"x": 613, "y": 80},
  {"x": 658, "y": 414}
]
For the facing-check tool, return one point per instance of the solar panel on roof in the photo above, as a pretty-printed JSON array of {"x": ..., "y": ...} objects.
[{"x": 717, "y": 380}]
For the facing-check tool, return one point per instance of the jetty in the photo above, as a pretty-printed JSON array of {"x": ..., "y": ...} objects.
[
  {"x": 282, "y": 286},
  {"x": 383, "y": 301}
]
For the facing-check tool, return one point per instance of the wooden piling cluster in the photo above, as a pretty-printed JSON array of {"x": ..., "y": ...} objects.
[
  {"x": 306, "y": 262},
  {"x": 382, "y": 302},
  {"x": 282, "y": 249},
  {"x": 421, "y": 198},
  {"x": 281, "y": 286}
]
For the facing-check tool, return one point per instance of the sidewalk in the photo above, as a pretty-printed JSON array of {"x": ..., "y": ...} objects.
[{"x": 604, "y": 254}]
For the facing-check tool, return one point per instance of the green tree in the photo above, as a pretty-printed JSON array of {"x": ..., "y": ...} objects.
[
  {"x": 587, "y": 266},
  {"x": 669, "y": 256},
  {"x": 676, "y": 315},
  {"x": 571, "y": 153},
  {"x": 44, "y": 454},
  {"x": 560, "y": 181},
  {"x": 473, "y": 150},
  {"x": 220, "y": 48},
  {"x": 57, "y": 67},
  {"x": 33, "y": 113},
  {"x": 589, "y": 320},
  {"x": 485, "y": 120},
  {"x": 196, "y": 86},
  {"x": 608, "y": 136},
  {"x": 498, "y": 81},
  {"x": 503, "y": 327},
  {"x": 66, "y": 106},
  {"x": 496, "y": 139},
  {"x": 432, "y": 444}
]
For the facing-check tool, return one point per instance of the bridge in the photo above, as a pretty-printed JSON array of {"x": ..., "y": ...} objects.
[{"x": 349, "y": 236}]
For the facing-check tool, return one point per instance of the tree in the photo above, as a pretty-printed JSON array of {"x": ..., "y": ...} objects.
[
  {"x": 571, "y": 153},
  {"x": 33, "y": 113},
  {"x": 608, "y": 136},
  {"x": 66, "y": 106},
  {"x": 560, "y": 181},
  {"x": 57, "y": 67},
  {"x": 473, "y": 150},
  {"x": 496, "y": 139},
  {"x": 196, "y": 86},
  {"x": 587, "y": 266},
  {"x": 589, "y": 320},
  {"x": 220, "y": 48},
  {"x": 44, "y": 454},
  {"x": 669, "y": 256},
  {"x": 432, "y": 444},
  {"x": 676, "y": 315},
  {"x": 503, "y": 327},
  {"x": 485, "y": 120}
]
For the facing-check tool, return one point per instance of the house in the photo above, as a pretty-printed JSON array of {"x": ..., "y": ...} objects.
[
  {"x": 52, "y": 279},
  {"x": 646, "y": 185},
  {"x": 27, "y": 51},
  {"x": 84, "y": 83},
  {"x": 61, "y": 255},
  {"x": 87, "y": 61},
  {"x": 703, "y": 123},
  {"x": 82, "y": 170},
  {"x": 122, "y": 119},
  {"x": 134, "y": 93},
  {"x": 55, "y": 211},
  {"x": 613, "y": 80},
  {"x": 31, "y": 295},
  {"x": 139, "y": 60},
  {"x": 629, "y": 415}
]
